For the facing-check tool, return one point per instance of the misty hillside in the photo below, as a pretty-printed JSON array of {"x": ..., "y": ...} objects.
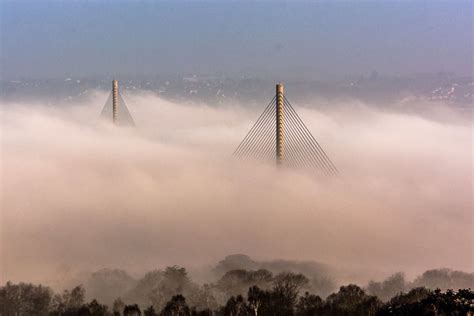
[
  {"x": 243, "y": 292},
  {"x": 235, "y": 274},
  {"x": 108, "y": 284},
  {"x": 240, "y": 261}
]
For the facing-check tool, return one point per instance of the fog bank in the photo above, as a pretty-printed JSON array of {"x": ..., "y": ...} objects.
[{"x": 80, "y": 194}]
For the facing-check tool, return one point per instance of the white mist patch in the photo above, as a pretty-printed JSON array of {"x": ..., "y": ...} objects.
[{"x": 82, "y": 194}]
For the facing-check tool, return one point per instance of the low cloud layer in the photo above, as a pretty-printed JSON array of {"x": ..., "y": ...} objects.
[{"x": 80, "y": 194}]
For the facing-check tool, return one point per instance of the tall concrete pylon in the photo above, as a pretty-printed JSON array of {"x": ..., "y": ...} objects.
[
  {"x": 280, "y": 129},
  {"x": 115, "y": 101},
  {"x": 115, "y": 109},
  {"x": 279, "y": 124},
  {"x": 280, "y": 135}
]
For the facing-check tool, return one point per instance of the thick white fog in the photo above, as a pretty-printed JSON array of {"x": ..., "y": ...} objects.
[{"x": 79, "y": 194}]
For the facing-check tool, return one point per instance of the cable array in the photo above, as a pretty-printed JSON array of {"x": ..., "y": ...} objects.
[
  {"x": 300, "y": 148},
  {"x": 123, "y": 116}
]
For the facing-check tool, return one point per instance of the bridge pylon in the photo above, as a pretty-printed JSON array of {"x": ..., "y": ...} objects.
[
  {"x": 279, "y": 123},
  {"x": 115, "y": 108},
  {"x": 280, "y": 135},
  {"x": 115, "y": 100}
]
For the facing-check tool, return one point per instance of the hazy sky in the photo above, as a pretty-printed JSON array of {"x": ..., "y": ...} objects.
[{"x": 263, "y": 38}]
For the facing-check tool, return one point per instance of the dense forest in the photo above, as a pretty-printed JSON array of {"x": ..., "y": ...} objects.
[{"x": 245, "y": 287}]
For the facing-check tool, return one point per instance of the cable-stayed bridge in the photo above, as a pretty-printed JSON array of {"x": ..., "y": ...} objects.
[
  {"x": 115, "y": 108},
  {"x": 280, "y": 134}
]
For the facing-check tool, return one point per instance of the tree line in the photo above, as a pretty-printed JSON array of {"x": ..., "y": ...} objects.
[{"x": 246, "y": 293}]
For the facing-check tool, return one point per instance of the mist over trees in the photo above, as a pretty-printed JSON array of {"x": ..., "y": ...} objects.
[
  {"x": 431, "y": 279},
  {"x": 108, "y": 284},
  {"x": 244, "y": 288}
]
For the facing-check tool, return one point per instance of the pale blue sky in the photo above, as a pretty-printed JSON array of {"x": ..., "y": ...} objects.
[{"x": 312, "y": 39}]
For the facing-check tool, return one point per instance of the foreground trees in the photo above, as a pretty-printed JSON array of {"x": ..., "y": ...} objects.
[
  {"x": 24, "y": 299},
  {"x": 420, "y": 301},
  {"x": 352, "y": 300},
  {"x": 254, "y": 293},
  {"x": 283, "y": 300},
  {"x": 132, "y": 310},
  {"x": 176, "y": 307},
  {"x": 309, "y": 304},
  {"x": 69, "y": 302}
]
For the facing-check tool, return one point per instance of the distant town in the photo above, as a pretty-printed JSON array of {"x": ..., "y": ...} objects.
[{"x": 218, "y": 89}]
